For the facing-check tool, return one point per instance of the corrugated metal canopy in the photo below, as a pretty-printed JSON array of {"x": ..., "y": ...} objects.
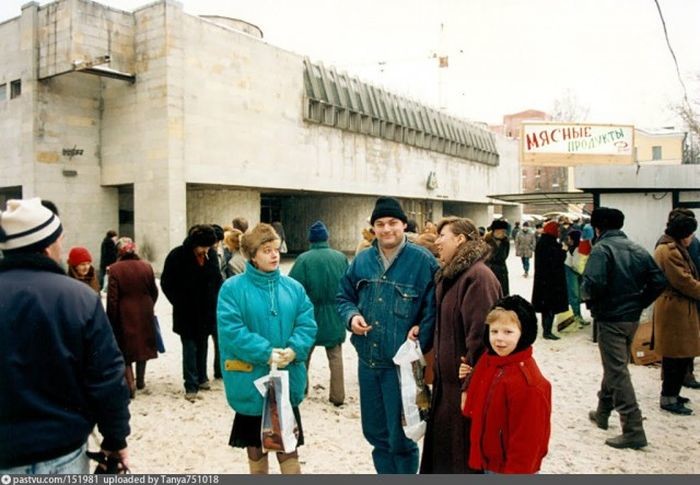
[{"x": 546, "y": 198}]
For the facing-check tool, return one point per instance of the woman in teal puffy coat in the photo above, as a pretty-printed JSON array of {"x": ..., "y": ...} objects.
[{"x": 263, "y": 317}]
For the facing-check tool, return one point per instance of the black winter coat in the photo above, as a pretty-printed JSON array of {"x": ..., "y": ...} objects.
[
  {"x": 62, "y": 371},
  {"x": 192, "y": 290},
  {"x": 108, "y": 255},
  {"x": 497, "y": 260},
  {"x": 549, "y": 289},
  {"x": 621, "y": 279}
]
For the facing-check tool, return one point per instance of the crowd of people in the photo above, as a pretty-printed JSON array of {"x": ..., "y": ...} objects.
[{"x": 444, "y": 287}]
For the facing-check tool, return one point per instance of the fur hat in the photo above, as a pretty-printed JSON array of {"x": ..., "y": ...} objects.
[
  {"x": 499, "y": 224},
  {"x": 318, "y": 232},
  {"x": 218, "y": 231},
  {"x": 607, "y": 218},
  {"x": 202, "y": 235},
  {"x": 256, "y": 237},
  {"x": 78, "y": 255},
  {"x": 551, "y": 228},
  {"x": 388, "y": 207},
  {"x": 527, "y": 317},
  {"x": 681, "y": 226},
  {"x": 26, "y": 225}
]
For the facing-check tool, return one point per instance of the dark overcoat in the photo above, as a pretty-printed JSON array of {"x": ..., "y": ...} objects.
[
  {"x": 500, "y": 249},
  {"x": 465, "y": 292},
  {"x": 549, "y": 288},
  {"x": 192, "y": 290},
  {"x": 131, "y": 294}
]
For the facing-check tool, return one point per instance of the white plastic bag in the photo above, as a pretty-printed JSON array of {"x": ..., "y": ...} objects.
[
  {"x": 278, "y": 430},
  {"x": 415, "y": 395}
]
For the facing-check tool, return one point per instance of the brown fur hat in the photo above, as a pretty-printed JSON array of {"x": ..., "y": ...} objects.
[{"x": 256, "y": 237}]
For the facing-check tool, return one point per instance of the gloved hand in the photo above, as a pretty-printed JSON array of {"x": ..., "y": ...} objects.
[
  {"x": 286, "y": 357},
  {"x": 275, "y": 357}
]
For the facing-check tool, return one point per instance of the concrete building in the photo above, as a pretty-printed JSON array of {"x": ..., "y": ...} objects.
[
  {"x": 660, "y": 146},
  {"x": 152, "y": 120}
]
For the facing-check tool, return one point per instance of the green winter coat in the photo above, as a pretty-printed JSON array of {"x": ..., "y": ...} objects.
[{"x": 319, "y": 271}]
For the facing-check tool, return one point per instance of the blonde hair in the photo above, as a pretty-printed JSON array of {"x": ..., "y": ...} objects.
[
  {"x": 256, "y": 237},
  {"x": 499, "y": 313},
  {"x": 232, "y": 239}
]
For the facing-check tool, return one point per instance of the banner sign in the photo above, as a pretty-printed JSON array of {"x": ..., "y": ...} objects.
[{"x": 567, "y": 144}]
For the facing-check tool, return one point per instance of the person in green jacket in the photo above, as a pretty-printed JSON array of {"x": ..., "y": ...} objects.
[
  {"x": 263, "y": 318},
  {"x": 319, "y": 270}
]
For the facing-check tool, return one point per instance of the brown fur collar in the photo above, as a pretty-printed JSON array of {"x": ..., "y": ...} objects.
[{"x": 467, "y": 254}]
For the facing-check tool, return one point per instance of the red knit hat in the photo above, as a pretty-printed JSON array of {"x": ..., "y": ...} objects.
[
  {"x": 551, "y": 228},
  {"x": 79, "y": 255}
]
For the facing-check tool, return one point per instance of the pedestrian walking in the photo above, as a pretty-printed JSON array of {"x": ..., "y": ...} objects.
[
  {"x": 62, "y": 372},
  {"x": 131, "y": 296},
  {"x": 549, "y": 295},
  {"x": 497, "y": 238},
  {"x": 191, "y": 282},
  {"x": 620, "y": 280},
  {"x": 466, "y": 290},
  {"x": 386, "y": 296},
  {"x": 319, "y": 271},
  {"x": 676, "y": 334},
  {"x": 525, "y": 246},
  {"x": 108, "y": 255},
  {"x": 264, "y": 318}
]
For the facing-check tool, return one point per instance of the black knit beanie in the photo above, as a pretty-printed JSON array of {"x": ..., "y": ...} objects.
[
  {"x": 388, "y": 207},
  {"x": 607, "y": 218}
]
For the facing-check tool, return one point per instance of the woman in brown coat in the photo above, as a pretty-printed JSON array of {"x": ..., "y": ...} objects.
[
  {"x": 676, "y": 334},
  {"x": 465, "y": 292},
  {"x": 131, "y": 295}
]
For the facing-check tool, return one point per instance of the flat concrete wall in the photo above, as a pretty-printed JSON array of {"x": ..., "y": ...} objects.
[{"x": 221, "y": 205}]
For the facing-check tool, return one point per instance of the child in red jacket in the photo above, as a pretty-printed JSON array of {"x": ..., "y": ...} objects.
[{"x": 508, "y": 399}]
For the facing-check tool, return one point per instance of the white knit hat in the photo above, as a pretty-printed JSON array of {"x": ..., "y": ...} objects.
[{"x": 27, "y": 225}]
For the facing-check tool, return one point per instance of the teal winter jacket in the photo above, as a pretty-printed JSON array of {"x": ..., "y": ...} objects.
[
  {"x": 319, "y": 270},
  {"x": 257, "y": 312}
]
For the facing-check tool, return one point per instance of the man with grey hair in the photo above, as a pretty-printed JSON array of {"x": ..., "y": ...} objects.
[{"x": 62, "y": 371}]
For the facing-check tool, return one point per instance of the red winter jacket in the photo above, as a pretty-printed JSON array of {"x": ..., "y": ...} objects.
[{"x": 509, "y": 402}]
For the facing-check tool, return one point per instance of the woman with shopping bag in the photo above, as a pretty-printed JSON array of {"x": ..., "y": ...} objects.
[{"x": 264, "y": 318}]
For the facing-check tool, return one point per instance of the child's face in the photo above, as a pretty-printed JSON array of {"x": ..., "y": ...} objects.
[{"x": 504, "y": 334}]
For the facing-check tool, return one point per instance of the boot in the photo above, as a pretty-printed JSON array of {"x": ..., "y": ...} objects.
[
  {"x": 673, "y": 405},
  {"x": 632, "y": 432},
  {"x": 129, "y": 375},
  {"x": 290, "y": 466},
  {"x": 547, "y": 330},
  {"x": 259, "y": 467},
  {"x": 690, "y": 382},
  {"x": 599, "y": 418},
  {"x": 140, "y": 374}
]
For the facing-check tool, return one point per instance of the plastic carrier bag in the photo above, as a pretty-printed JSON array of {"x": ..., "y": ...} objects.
[
  {"x": 278, "y": 430},
  {"x": 415, "y": 395}
]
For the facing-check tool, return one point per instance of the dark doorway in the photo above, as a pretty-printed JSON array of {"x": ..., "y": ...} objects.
[
  {"x": 270, "y": 209},
  {"x": 126, "y": 211}
]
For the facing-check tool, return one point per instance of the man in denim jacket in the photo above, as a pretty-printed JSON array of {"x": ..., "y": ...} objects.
[{"x": 386, "y": 296}]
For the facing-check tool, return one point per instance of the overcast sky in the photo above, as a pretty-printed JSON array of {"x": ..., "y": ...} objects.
[{"x": 504, "y": 56}]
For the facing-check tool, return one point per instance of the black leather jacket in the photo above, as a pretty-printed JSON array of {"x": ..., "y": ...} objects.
[{"x": 621, "y": 279}]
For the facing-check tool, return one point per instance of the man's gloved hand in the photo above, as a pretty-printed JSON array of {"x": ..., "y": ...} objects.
[
  {"x": 286, "y": 357},
  {"x": 275, "y": 357}
]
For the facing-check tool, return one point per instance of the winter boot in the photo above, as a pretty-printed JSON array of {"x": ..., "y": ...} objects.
[
  {"x": 599, "y": 418},
  {"x": 290, "y": 466},
  {"x": 259, "y": 467},
  {"x": 673, "y": 405},
  {"x": 140, "y": 374},
  {"x": 632, "y": 432},
  {"x": 547, "y": 330}
]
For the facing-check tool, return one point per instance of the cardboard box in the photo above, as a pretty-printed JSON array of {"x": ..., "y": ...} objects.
[{"x": 641, "y": 346}]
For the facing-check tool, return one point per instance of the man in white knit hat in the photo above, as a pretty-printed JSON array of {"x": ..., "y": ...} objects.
[{"x": 62, "y": 371}]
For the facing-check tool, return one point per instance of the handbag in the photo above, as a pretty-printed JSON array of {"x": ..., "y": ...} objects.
[{"x": 160, "y": 345}]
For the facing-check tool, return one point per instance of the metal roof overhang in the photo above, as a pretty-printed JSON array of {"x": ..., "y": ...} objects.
[{"x": 546, "y": 198}]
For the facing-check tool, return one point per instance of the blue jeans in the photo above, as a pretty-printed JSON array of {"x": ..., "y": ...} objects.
[
  {"x": 526, "y": 264},
  {"x": 194, "y": 362},
  {"x": 573, "y": 290},
  {"x": 75, "y": 462},
  {"x": 380, "y": 406}
]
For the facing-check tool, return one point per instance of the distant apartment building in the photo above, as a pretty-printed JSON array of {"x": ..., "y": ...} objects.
[{"x": 659, "y": 146}]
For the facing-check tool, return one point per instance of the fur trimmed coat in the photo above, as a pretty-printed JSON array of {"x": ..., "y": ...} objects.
[
  {"x": 465, "y": 292},
  {"x": 676, "y": 322}
]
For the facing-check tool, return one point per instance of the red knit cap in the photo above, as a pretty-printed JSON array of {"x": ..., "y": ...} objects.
[
  {"x": 551, "y": 228},
  {"x": 79, "y": 255}
]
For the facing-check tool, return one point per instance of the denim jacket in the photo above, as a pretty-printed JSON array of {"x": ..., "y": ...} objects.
[{"x": 391, "y": 301}]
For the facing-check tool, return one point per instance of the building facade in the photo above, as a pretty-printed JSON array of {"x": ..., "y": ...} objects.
[{"x": 152, "y": 120}]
